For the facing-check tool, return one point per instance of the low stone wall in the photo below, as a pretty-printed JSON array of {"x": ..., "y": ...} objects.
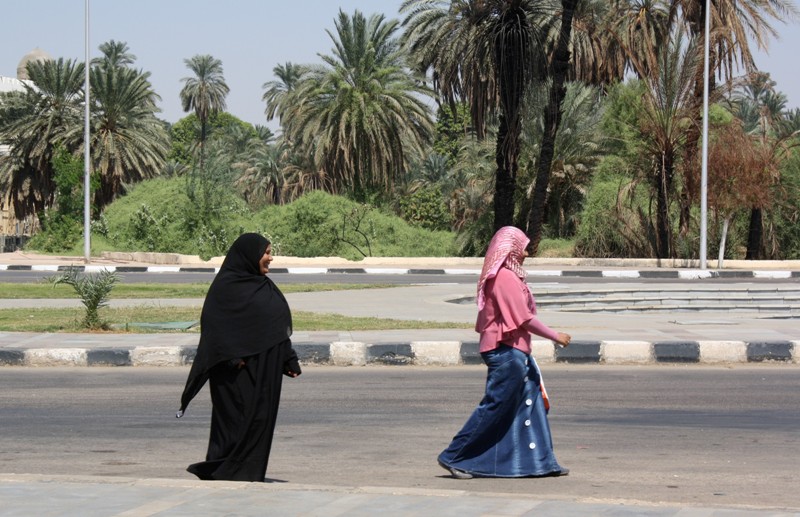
[{"x": 467, "y": 262}]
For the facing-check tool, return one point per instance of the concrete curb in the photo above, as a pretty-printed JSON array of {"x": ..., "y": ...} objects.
[
  {"x": 432, "y": 353},
  {"x": 677, "y": 274}
]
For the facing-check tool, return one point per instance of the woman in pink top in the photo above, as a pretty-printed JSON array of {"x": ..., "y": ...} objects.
[{"x": 508, "y": 434}]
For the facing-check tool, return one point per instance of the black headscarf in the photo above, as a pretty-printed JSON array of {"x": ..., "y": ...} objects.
[{"x": 244, "y": 313}]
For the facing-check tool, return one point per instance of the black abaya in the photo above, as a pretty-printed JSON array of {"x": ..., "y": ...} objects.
[
  {"x": 245, "y": 407},
  {"x": 244, "y": 348}
]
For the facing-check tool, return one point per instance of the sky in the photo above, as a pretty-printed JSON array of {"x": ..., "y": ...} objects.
[{"x": 250, "y": 37}]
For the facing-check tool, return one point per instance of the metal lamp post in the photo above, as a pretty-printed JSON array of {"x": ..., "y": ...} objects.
[
  {"x": 704, "y": 172},
  {"x": 86, "y": 134}
]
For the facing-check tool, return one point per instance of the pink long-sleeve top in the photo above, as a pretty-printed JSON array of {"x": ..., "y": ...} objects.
[{"x": 509, "y": 315}]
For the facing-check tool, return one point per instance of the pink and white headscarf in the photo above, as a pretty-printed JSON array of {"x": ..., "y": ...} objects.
[{"x": 505, "y": 250}]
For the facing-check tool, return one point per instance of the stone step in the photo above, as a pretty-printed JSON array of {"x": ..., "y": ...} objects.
[
  {"x": 782, "y": 300},
  {"x": 785, "y": 310},
  {"x": 658, "y": 299},
  {"x": 669, "y": 302},
  {"x": 660, "y": 292}
]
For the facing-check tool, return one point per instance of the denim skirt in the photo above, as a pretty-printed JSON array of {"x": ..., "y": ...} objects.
[{"x": 508, "y": 434}]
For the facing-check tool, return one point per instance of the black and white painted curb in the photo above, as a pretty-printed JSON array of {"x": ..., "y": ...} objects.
[
  {"x": 433, "y": 353},
  {"x": 678, "y": 274}
]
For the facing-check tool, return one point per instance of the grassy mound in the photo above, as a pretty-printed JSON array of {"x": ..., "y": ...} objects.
[{"x": 158, "y": 215}]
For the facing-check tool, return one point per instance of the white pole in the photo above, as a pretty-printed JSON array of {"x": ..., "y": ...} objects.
[
  {"x": 704, "y": 173},
  {"x": 86, "y": 168}
]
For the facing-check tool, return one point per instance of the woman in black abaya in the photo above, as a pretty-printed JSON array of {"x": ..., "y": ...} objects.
[{"x": 244, "y": 350}]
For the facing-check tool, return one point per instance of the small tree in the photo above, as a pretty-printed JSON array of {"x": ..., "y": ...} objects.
[
  {"x": 94, "y": 291},
  {"x": 212, "y": 203},
  {"x": 351, "y": 230},
  {"x": 740, "y": 175}
]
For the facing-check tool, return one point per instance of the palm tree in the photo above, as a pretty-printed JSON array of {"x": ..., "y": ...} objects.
[
  {"x": 204, "y": 93},
  {"x": 115, "y": 54},
  {"x": 262, "y": 178},
  {"x": 639, "y": 28},
  {"x": 301, "y": 173},
  {"x": 443, "y": 37},
  {"x": 470, "y": 189},
  {"x": 759, "y": 105},
  {"x": 668, "y": 111},
  {"x": 485, "y": 52},
  {"x": 264, "y": 134},
  {"x": 582, "y": 47},
  {"x": 595, "y": 54},
  {"x": 46, "y": 116},
  {"x": 237, "y": 140},
  {"x": 128, "y": 143},
  {"x": 361, "y": 111},
  {"x": 642, "y": 26},
  {"x": 790, "y": 124},
  {"x": 735, "y": 24},
  {"x": 428, "y": 173},
  {"x": 173, "y": 169},
  {"x": 760, "y": 108},
  {"x": 559, "y": 68},
  {"x": 577, "y": 149},
  {"x": 276, "y": 92}
]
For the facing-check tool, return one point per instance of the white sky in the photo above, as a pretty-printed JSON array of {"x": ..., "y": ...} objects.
[{"x": 250, "y": 37}]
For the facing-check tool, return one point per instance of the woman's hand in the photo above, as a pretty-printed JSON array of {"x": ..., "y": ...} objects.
[
  {"x": 237, "y": 363},
  {"x": 563, "y": 339}
]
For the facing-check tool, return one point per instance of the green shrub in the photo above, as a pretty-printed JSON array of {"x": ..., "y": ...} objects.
[
  {"x": 59, "y": 233},
  {"x": 147, "y": 229},
  {"x": 319, "y": 224},
  {"x": 158, "y": 215},
  {"x": 786, "y": 213},
  {"x": 426, "y": 208},
  {"x": 556, "y": 248},
  {"x": 62, "y": 224},
  {"x": 602, "y": 230},
  {"x": 474, "y": 237}
]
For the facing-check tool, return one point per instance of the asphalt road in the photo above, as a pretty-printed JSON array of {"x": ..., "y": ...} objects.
[
  {"x": 684, "y": 435},
  {"x": 399, "y": 279}
]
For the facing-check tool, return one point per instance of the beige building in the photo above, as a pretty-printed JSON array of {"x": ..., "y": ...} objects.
[{"x": 12, "y": 231}]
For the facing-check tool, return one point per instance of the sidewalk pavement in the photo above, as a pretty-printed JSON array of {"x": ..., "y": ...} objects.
[
  {"x": 86, "y": 496},
  {"x": 598, "y": 338}
]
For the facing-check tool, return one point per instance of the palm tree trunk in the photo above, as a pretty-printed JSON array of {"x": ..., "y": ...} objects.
[
  {"x": 202, "y": 143},
  {"x": 505, "y": 179},
  {"x": 511, "y": 54},
  {"x": 663, "y": 185},
  {"x": 755, "y": 236},
  {"x": 552, "y": 119},
  {"x": 690, "y": 188}
]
